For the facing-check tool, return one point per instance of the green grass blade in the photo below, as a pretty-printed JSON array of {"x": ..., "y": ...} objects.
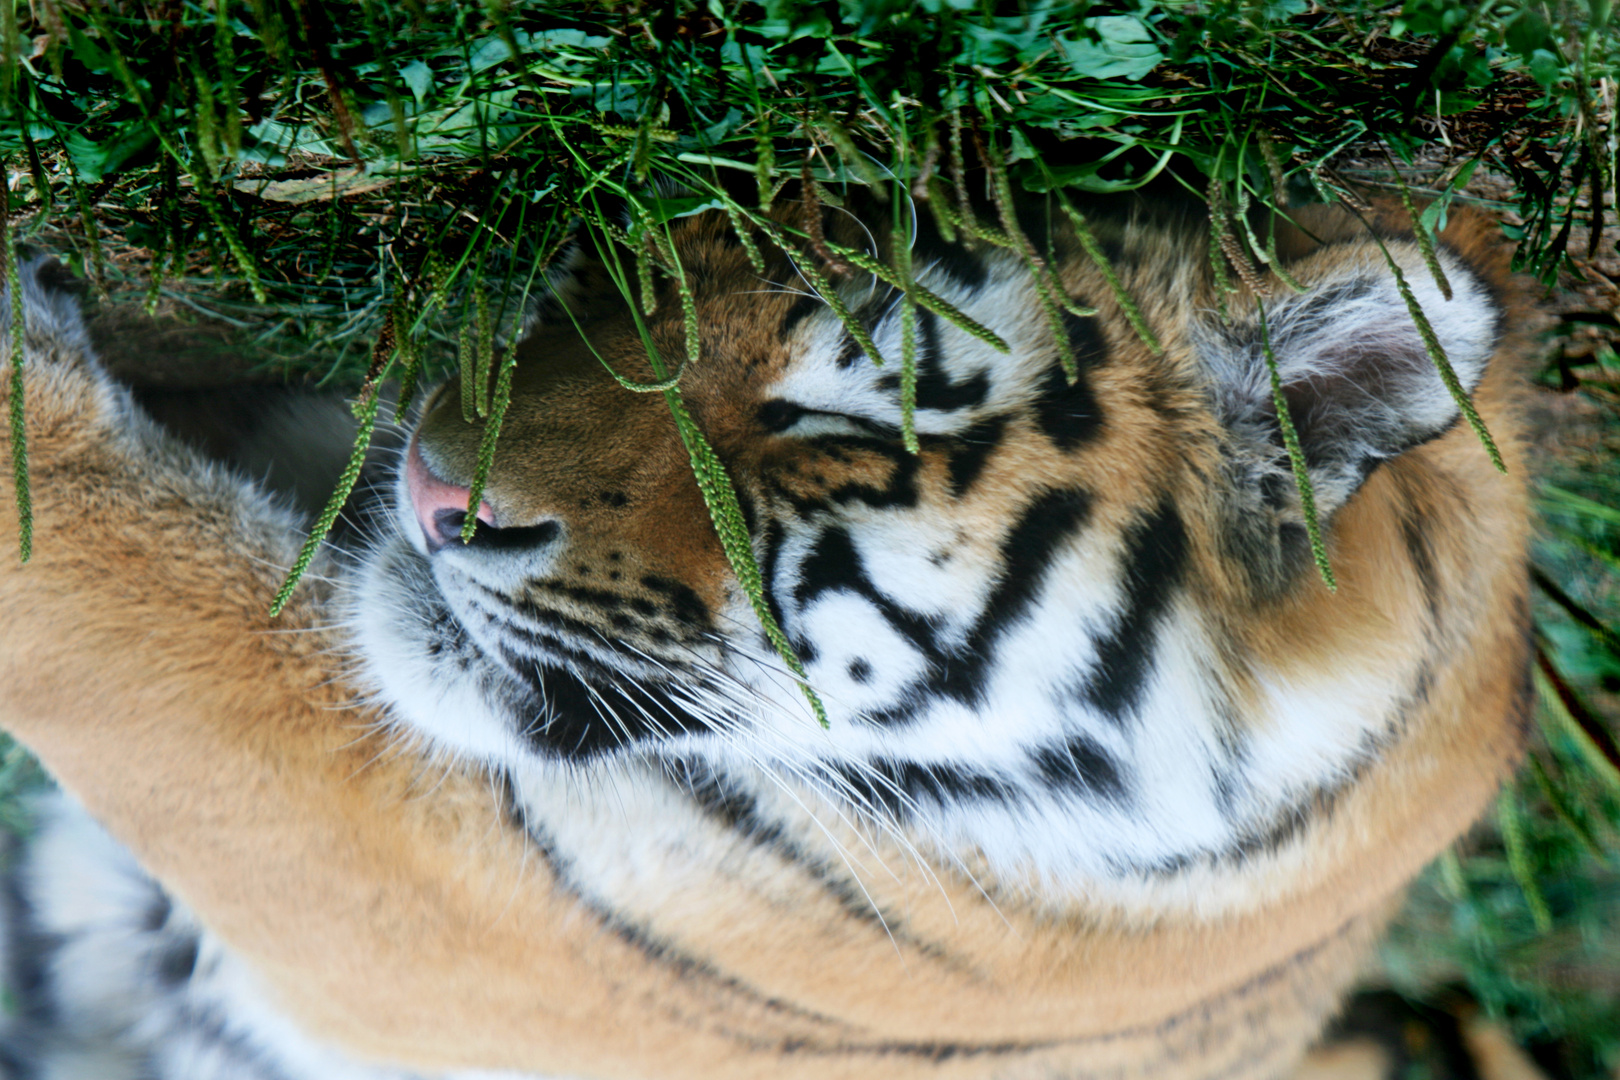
[
  {"x": 367, "y": 411},
  {"x": 923, "y": 297},
  {"x": 19, "y": 432},
  {"x": 1511, "y": 819},
  {"x": 1296, "y": 455},
  {"x": 1094, "y": 251}
]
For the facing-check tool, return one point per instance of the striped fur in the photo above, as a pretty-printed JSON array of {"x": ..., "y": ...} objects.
[{"x": 1113, "y": 785}]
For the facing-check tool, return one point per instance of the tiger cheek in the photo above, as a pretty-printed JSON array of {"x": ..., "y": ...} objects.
[{"x": 667, "y": 524}]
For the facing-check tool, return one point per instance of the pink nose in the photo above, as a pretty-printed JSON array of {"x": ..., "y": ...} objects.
[{"x": 441, "y": 508}]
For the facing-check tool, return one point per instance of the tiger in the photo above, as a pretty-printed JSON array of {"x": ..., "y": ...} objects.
[{"x": 1112, "y": 783}]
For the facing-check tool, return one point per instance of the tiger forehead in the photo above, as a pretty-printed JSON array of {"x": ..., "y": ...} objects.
[
  {"x": 754, "y": 297},
  {"x": 745, "y": 311},
  {"x": 775, "y": 351}
]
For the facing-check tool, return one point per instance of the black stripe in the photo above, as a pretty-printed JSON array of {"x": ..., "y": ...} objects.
[
  {"x": 1155, "y": 560},
  {"x": 1046, "y": 524},
  {"x": 899, "y": 491},
  {"x": 1286, "y": 825},
  {"x": 971, "y": 450},
  {"x": 1187, "y": 1031},
  {"x": 934, "y": 387},
  {"x": 1032, "y": 544},
  {"x": 561, "y": 638},
  {"x": 721, "y": 799},
  {"x": 891, "y": 787},
  {"x": 665, "y": 954},
  {"x": 797, "y": 312},
  {"x": 1420, "y": 549},
  {"x": 1070, "y": 415},
  {"x": 935, "y": 390},
  {"x": 834, "y": 564},
  {"x": 1293, "y": 819},
  {"x": 602, "y": 599},
  {"x": 772, "y": 541},
  {"x": 177, "y": 960},
  {"x": 561, "y": 622},
  {"x": 930, "y": 254},
  {"x": 553, "y": 647},
  {"x": 682, "y": 604},
  {"x": 13, "y": 1067},
  {"x": 1081, "y": 766},
  {"x": 850, "y": 351},
  {"x": 223, "y": 1035},
  {"x": 1186, "y": 1023},
  {"x": 29, "y": 950},
  {"x": 679, "y": 606},
  {"x": 563, "y": 719},
  {"x": 777, "y": 415}
]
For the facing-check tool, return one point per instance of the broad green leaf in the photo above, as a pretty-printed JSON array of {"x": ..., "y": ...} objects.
[
  {"x": 419, "y": 77},
  {"x": 1123, "y": 49},
  {"x": 1527, "y": 33},
  {"x": 97, "y": 160},
  {"x": 491, "y": 51},
  {"x": 662, "y": 210},
  {"x": 1545, "y": 67},
  {"x": 557, "y": 40},
  {"x": 1277, "y": 10}
]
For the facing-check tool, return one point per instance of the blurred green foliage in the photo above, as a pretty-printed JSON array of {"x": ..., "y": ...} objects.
[
  {"x": 1526, "y": 917},
  {"x": 407, "y": 133}
]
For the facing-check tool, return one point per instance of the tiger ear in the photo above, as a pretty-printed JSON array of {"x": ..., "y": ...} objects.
[{"x": 1357, "y": 377}]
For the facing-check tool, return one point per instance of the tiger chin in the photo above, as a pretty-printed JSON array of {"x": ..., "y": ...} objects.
[{"x": 1112, "y": 784}]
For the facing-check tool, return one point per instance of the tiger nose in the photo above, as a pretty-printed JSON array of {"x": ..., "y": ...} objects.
[{"x": 441, "y": 507}]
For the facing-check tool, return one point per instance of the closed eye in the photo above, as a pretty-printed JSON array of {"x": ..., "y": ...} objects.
[{"x": 781, "y": 417}]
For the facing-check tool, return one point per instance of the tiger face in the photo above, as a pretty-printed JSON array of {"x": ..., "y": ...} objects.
[{"x": 1078, "y": 638}]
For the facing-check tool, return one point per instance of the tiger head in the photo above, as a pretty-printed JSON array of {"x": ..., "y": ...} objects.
[{"x": 1080, "y": 630}]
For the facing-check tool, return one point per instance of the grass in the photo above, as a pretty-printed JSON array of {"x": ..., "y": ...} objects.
[
  {"x": 370, "y": 188},
  {"x": 1525, "y": 918}
]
